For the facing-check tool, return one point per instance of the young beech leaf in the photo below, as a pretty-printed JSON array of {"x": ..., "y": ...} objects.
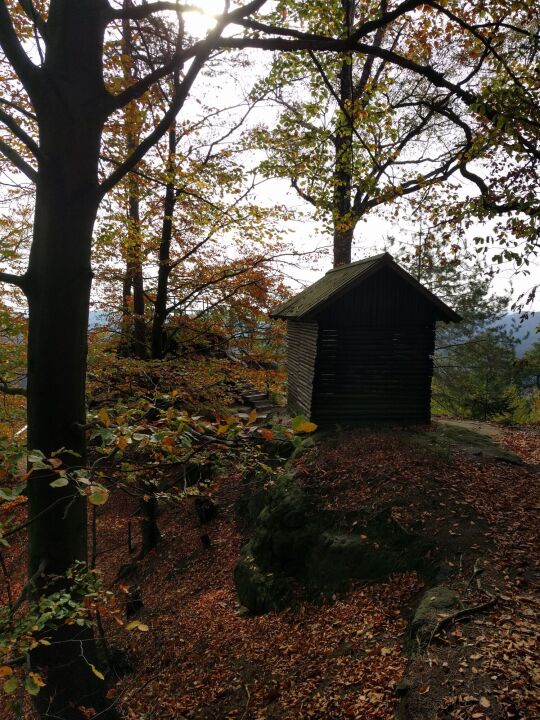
[
  {"x": 10, "y": 685},
  {"x": 99, "y": 497},
  {"x": 59, "y": 482}
]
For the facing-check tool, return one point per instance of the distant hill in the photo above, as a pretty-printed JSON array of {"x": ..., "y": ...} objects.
[{"x": 525, "y": 331}]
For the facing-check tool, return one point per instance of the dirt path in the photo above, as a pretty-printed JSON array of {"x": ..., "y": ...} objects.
[{"x": 491, "y": 430}]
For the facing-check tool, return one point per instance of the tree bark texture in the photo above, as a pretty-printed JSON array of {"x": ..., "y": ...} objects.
[
  {"x": 165, "y": 267},
  {"x": 343, "y": 144},
  {"x": 71, "y": 113}
]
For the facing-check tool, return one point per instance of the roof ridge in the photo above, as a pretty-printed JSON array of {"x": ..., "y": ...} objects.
[{"x": 359, "y": 262}]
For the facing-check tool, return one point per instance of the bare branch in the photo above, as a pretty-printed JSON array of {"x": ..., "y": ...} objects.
[
  {"x": 210, "y": 43},
  {"x": 10, "y": 390},
  {"x": 18, "y": 131},
  {"x": 19, "y": 162},
  {"x": 17, "y": 280},
  {"x": 139, "y": 12}
]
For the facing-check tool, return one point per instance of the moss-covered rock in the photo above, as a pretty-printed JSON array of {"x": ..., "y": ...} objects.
[
  {"x": 295, "y": 543},
  {"x": 259, "y": 591},
  {"x": 436, "y": 604}
]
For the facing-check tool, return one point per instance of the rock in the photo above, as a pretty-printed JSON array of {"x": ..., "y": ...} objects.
[
  {"x": 436, "y": 603},
  {"x": 403, "y": 687},
  {"x": 294, "y": 544},
  {"x": 205, "y": 508},
  {"x": 279, "y": 448},
  {"x": 259, "y": 591}
]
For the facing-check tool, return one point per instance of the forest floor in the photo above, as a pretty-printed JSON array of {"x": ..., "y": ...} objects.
[
  {"x": 197, "y": 655},
  {"x": 202, "y": 658}
]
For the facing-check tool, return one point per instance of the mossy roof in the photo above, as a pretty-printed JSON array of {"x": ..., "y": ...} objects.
[{"x": 338, "y": 281}]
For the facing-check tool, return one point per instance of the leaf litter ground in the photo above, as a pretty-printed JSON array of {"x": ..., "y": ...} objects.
[
  {"x": 202, "y": 659},
  {"x": 343, "y": 659}
]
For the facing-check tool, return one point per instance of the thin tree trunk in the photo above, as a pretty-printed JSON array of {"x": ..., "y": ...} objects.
[
  {"x": 343, "y": 165},
  {"x": 160, "y": 307},
  {"x": 133, "y": 280}
]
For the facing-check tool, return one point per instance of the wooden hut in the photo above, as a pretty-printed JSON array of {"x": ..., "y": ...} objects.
[{"x": 360, "y": 344}]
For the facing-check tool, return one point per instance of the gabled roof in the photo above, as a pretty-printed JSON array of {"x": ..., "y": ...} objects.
[{"x": 308, "y": 303}]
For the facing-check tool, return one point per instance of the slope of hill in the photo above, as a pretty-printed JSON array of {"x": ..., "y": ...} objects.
[{"x": 524, "y": 329}]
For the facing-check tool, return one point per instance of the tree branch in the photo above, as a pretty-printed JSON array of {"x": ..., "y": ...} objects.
[
  {"x": 18, "y": 280},
  {"x": 139, "y": 12},
  {"x": 28, "y": 73},
  {"x": 207, "y": 45},
  {"x": 8, "y": 390},
  {"x": 473, "y": 102},
  {"x": 19, "y": 162},
  {"x": 18, "y": 131}
]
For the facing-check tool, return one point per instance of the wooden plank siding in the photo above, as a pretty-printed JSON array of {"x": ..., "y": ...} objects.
[
  {"x": 301, "y": 355},
  {"x": 375, "y": 355},
  {"x": 364, "y": 352},
  {"x": 367, "y": 374}
]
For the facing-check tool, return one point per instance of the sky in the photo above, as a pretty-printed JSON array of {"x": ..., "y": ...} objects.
[
  {"x": 306, "y": 235},
  {"x": 371, "y": 236}
]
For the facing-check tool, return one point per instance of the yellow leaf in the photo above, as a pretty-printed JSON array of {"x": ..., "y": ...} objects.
[
  {"x": 132, "y": 625},
  {"x": 222, "y": 429},
  {"x": 252, "y": 415},
  {"x": 37, "y": 679},
  {"x": 142, "y": 627},
  {"x": 105, "y": 419},
  {"x": 122, "y": 442},
  {"x": 306, "y": 427},
  {"x": 96, "y": 672}
]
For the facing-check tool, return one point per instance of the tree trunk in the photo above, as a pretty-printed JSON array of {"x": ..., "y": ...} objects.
[
  {"x": 342, "y": 246},
  {"x": 343, "y": 164},
  {"x": 135, "y": 341},
  {"x": 160, "y": 307},
  {"x": 136, "y": 268},
  {"x": 71, "y": 112}
]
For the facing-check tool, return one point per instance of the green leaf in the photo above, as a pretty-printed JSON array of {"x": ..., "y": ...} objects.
[
  {"x": 11, "y": 684},
  {"x": 35, "y": 456},
  {"x": 99, "y": 497},
  {"x": 31, "y": 685},
  {"x": 59, "y": 482},
  {"x": 11, "y": 493},
  {"x": 297, "y": 421}
]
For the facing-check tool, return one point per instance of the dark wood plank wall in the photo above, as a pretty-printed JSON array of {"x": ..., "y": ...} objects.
[
  {"x": 374, "y": 355},
  {"x": 301, "y": 355}
]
